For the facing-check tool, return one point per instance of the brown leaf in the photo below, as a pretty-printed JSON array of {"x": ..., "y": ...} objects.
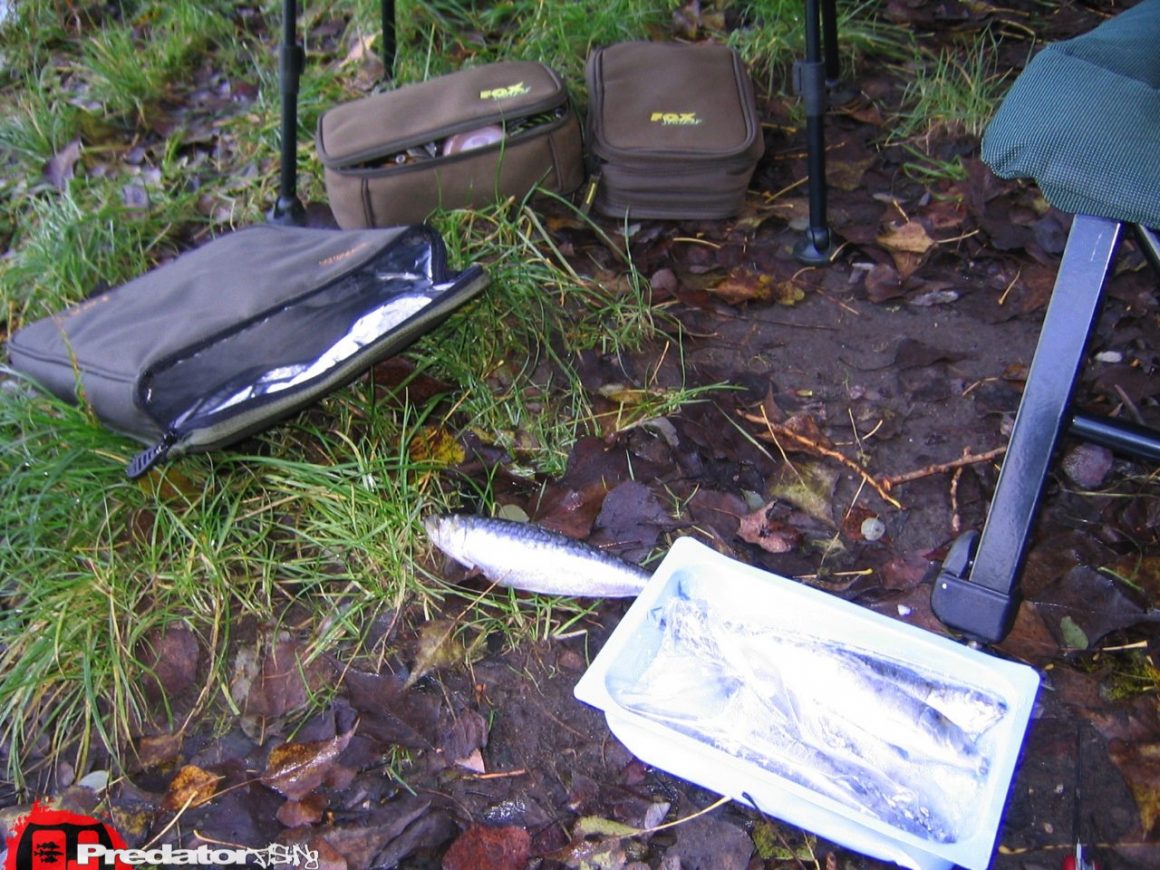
[
  {"x": 484, "y": 848},
  {"x": 910, "y": 237},
  {"x": 389, "y": 714},
  {"x": 278, "y": 682},
  {"x": 159, "y": 750},
  {"x": 190, "y": 788},
  {"x": 1086, "y": 604},
  {"x": 805, "y": 426},
  {"x": 59, "y": 168},
  {"x": 1140, "y": 765},
  {"x": 847, "y": 174},
  {"x": 438, "y": 647},
  {"x": 169, "y": 657},
  {"x": 308, "y": 811},
  {"x": 772, "y": 536},
  {"x": 466, "y": 734},
  {"x": 883, "y": 282},
  {"x": 743, "y": 285},
  {"x": 905, "y": 571},
  {"x": 808, "y": 486},
  {"x": 362, "y": 844},
  {"x": 294, "y": 770},
  {"x": 436, "y": 445}
]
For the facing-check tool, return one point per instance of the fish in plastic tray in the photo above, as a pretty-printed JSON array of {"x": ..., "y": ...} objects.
[{"x": 875, "y": 734}]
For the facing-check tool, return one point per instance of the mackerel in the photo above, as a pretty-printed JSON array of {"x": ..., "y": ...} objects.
[{"x": 530, "y": 558}]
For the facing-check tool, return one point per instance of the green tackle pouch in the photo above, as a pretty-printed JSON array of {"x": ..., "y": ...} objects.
[
  {"x": 465, "y": 139},
  {"x": 673, "y": 130},
  {"x": 228, "y": 338}
]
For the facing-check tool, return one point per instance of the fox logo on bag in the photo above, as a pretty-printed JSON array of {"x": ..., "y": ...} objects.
[
  {"x": 675, "y": 119},
  {"x": 504, "y": 93},
  {"x": 48, "y": 840}
]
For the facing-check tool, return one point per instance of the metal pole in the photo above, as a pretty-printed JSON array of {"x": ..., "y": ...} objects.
[
  {"x": 389, "y": 40},
  {"x": 830, "y": 36},
  {"x": 291, "y": 59},
  {"x": 810, "y": 79}
]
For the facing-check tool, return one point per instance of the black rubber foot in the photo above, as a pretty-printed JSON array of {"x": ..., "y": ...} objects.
[
  {"x": 816, "y": 249},
  {"x": 287, "y": 212}
]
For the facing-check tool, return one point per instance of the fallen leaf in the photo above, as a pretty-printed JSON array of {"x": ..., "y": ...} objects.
[
  {"x": 464, "y": 737},
  {"x": 771, "y": 535},
  {"x": 808, "y": 486},
  {"x": 437, "y": 446},
  {"x": 473, "y": 762},
  {"x": 883, "y": 283},
  {"x": 294, "y": 770},
  {"x": 438, "y": 647},
  {"x": 847, "y": 174},
  {"x": 595, "y": 826},
  {"x": 743, "y": 285},
  {"x": 910, "y": 237},
  {"x": 59, "y": 168},
  {"x": 389, "y": 714},
  {"x": 297, "y": 814},
  {"x": 485, "y": 848},
  {"x": 169, "y": 658},
  {"x": 159, "y": 750},
  {"x": 284, "y": 680},
  {"x": 1085, "y": 605},
  {"x": 1140, "y": 765},
  {"x": 190, "y": 788},
  {"x": 396, "y": 828},
  {"x": 1087, "y": 465}
]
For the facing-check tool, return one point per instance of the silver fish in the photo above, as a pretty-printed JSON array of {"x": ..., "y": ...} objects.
[{"x": 526, "y": 557}]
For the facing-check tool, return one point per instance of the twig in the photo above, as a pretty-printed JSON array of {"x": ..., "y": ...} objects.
[
  {"x": 684, "y": 819},
  {"x": 968, "y": 458},
  {"x": 499, "y": 774},
  {"x": 956, "y": 521},
  {"x": 777, "y": 430}
]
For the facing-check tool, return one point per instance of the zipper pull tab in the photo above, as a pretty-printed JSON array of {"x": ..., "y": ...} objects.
[
  {"x": 149, "y": 457},
  {"x": 590, "y": 193}
]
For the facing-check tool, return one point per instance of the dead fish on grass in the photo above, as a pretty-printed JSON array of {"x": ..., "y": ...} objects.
[{"x": 526, "y": 557}]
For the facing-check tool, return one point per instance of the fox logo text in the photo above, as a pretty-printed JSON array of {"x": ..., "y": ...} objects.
[
  {"x": 675, "y": 119},
  {"x": 504, "y": 93}
]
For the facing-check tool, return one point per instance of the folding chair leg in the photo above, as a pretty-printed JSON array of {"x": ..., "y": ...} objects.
[{"x": 977, "y": 590}]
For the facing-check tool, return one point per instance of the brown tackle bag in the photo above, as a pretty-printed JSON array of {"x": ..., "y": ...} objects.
[
  {"x": 465, "y": 139},
  {"x": 673, "y": 130}
]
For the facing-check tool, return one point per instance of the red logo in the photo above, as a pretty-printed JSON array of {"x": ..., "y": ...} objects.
[{"x": 50, "y": 839}]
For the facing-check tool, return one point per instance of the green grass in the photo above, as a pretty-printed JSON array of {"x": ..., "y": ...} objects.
[
  {"x": 314, "y": 526},
  {"x": 953, "y": 93}
]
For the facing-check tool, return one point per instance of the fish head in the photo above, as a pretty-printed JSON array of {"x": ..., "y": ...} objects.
[{"x": 447, "y": 533}]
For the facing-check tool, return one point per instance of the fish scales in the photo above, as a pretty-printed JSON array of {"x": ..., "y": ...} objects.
[{"x": 532, "y": 559}]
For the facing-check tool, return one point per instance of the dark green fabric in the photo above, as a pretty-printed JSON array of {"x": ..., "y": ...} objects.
[
  {"x": 1083, "y": 121},
  {"x": 100, "y": 347}
]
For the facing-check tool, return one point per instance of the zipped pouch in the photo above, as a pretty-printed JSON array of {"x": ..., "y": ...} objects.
[
  {"x": 232, "y": 336},
  {"x": 465, "y": 139},
  {"x": 673, "y": 130}
]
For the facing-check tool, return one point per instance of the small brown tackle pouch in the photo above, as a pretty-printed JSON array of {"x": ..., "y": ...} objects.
[
  {"x": 673, "y": 130},
  {"x": 465, "y": 139},
  {"x": 228, "y": 338}
]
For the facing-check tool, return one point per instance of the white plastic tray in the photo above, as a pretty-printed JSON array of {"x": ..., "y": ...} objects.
[{"x": 752, "y": 595}]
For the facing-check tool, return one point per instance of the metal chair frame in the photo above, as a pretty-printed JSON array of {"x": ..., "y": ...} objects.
[{"x": 977, "y": 589}]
